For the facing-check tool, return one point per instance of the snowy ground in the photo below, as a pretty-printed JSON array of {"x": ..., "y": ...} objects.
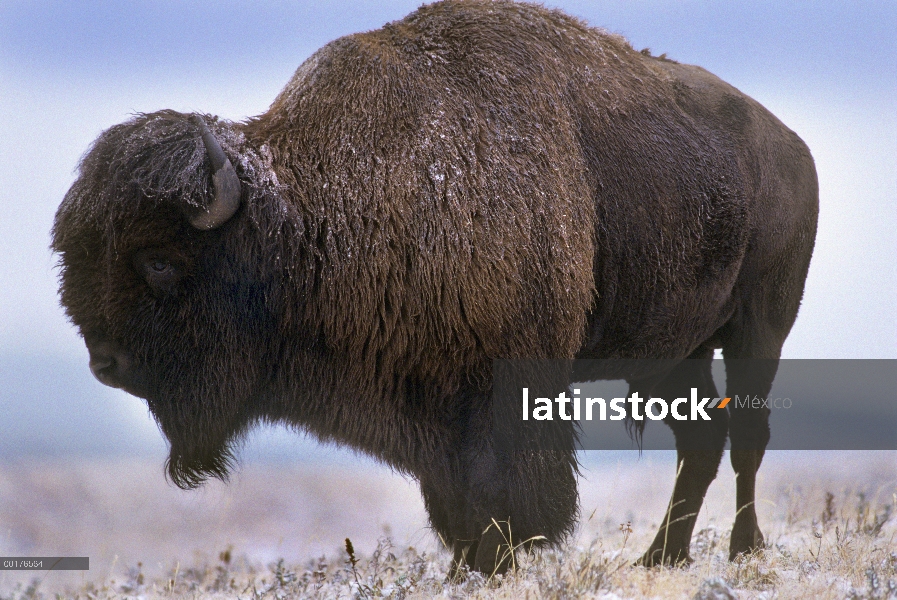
[{"x": 829, "y": 518}]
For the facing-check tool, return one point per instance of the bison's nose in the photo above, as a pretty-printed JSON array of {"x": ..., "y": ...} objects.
[{"x": 108, "y": 363}]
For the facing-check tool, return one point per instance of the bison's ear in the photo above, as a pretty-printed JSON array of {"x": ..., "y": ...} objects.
[{"x": 227, "y": 184}]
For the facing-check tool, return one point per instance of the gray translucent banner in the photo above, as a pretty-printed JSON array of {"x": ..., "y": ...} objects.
[
  {"x": 812, "y": 404},
  {"x": 44, "y": 563}
]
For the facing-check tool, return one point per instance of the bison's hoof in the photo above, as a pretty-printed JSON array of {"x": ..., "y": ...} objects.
[
  {"x": 493, "y": 556},
  {"x": 457, "y": 574},
  {"x": 745, "y": 543},
  {"x": 655, "y": 557}
]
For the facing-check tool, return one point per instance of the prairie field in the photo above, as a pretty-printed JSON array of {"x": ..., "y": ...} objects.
[{"x": 279, "y": 529}]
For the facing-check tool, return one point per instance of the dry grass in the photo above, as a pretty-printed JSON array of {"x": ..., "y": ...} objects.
[{"x": 829, "y": 519}]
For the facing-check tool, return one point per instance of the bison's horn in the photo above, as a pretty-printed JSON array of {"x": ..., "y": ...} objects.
[{"x": 227, "y": 184}]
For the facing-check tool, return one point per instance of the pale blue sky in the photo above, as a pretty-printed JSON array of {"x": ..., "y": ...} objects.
[{"x": 69, "y": 70}]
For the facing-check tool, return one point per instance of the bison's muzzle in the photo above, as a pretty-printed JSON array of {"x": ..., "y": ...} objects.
[{"x": 112, "y": 366}]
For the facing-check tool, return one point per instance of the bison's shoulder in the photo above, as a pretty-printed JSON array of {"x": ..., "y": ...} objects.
[{"x": 436, "y": 168}]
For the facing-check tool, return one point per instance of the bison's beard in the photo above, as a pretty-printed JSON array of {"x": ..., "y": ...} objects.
[
  {"x": 201, "y": 439},
  {"x": 190, "y": 469}
]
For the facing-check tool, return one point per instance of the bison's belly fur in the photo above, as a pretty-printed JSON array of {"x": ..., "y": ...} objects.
[{"x": 477, "y": 181}]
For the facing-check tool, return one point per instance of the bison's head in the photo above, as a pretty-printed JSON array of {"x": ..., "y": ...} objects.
[{"x": 167, "y": 245}]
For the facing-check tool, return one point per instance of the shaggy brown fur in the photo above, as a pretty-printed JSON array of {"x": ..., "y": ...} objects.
[{"x": 479, "y": 180}]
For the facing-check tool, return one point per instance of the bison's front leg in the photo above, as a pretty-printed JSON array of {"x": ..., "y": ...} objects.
[
  {"x": 501, "y": 484},
  {"x": 503, "y": 499},
  {"x": 699, "y": 449},
  {"x": 468, "y": 509},
  {"x": 522, "y": 500}
]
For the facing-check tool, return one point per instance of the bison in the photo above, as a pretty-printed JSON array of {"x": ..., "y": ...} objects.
[{"x": 479, "y": 180}]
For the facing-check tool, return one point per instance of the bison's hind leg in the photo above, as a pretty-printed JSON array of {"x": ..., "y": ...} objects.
[
  {"x": 699, "y": 450},
  {"x": 749, "y": 373},
  {"x": 752, "y": 344},
  {"x": 749, "y": 434}
]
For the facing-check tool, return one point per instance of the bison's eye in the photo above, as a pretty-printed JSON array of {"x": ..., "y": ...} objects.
[
  {"x": 159, "y": 270},
  {"x": 159, "y": 266}
]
